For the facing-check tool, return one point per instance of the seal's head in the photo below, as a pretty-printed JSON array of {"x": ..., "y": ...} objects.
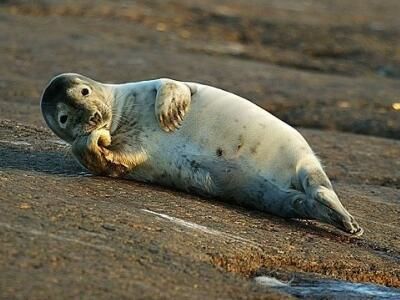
[{"x": 74, "y": 105}]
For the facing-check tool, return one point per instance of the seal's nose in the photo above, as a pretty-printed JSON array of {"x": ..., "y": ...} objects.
[{"x": 95, "y": 119}]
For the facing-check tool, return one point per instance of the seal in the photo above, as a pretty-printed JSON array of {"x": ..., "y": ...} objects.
[{"x": 196, "y": 138}]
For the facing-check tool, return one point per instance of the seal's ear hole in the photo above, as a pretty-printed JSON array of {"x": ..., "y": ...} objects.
[
  {"x": 63, "y": 119},
  {"x": 85, "y": 91}
]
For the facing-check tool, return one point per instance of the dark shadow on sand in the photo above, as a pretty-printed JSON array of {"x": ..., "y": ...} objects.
[
  {"x": 63, "y": 164},
  {"x": 18, "y": 158}
]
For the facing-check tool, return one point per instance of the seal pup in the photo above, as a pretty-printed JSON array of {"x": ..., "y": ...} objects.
[{"x": 226, "y": 146}]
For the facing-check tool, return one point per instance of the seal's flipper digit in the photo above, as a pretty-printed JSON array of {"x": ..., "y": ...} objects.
[{"x": 172, "y": 102}]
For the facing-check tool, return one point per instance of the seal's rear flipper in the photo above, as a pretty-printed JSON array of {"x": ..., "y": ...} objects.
[
  {"x": 332, "y": 208},
  {"x": 322, "y": 202}
]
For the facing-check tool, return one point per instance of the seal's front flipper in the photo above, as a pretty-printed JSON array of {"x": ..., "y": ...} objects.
[
  {"x": 91, "y": 152},
  {"x": 172, "y": 102}
]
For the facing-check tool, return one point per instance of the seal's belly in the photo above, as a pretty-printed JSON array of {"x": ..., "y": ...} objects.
[
  {"x": 222, "y": 128},
  {"x": 229, "y": 127}
]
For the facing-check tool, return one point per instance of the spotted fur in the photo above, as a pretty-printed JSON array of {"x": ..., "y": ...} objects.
[{"x": 196, "y": 138}]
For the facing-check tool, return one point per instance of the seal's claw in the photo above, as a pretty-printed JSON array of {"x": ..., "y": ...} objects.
[
  {"x": 176, "y": 123},
  {"x": 180, "y": 118},
  {"x": 172, "y": 102},
  {"x": 358, "y": 232},
  {"x": 352, "y": 227}
]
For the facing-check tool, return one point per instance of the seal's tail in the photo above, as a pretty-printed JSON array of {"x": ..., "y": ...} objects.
[{"x": 323, "y": 203}]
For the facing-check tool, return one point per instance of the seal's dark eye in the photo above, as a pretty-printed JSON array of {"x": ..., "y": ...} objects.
[
  {"x": 85, "y": 91},
  {"x": 63, "y": 119}
]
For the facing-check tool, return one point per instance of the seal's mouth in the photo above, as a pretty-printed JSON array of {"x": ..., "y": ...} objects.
[
  {"x": 100, "y": 133},
  {"x": 105, "y": 126},
  {"x": 89, "y": 128}
]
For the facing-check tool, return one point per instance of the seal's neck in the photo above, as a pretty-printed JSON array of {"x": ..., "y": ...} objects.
[{"x": 124, "y": 107}]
